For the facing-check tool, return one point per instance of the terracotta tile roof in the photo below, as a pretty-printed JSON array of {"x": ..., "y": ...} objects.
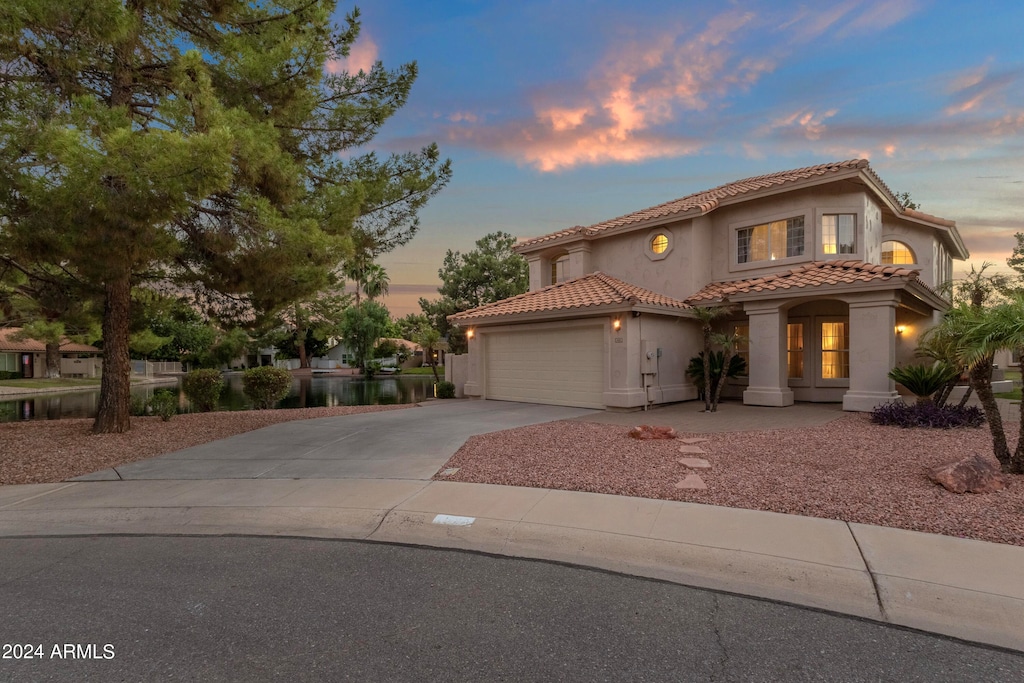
[
  {"x": 810, "y": 275},
  {"x": 31, "y": 345},
  {"x": 912, "y": 213},
  {"x": 709, "y": 200},
  {"x": 596, "y": 289}
]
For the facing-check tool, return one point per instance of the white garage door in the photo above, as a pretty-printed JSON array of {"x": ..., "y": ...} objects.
[{"x": 558, "y": 367}]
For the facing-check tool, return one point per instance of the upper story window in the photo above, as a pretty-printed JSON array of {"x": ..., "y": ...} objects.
[
  {"x": 895, "y": 253},
  {"x": 838, "y": 233},
  {"x": 659, "y": 243},
  {"x": 770, "y": 241}
]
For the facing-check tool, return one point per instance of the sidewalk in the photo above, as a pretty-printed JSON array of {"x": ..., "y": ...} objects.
[{"x": 962, "y": 588}]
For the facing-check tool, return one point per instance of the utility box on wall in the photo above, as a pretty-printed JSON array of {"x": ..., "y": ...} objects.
[{"x": 649, "y": 353}]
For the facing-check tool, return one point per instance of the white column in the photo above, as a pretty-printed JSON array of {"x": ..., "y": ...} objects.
[
  {"x": 536, "y": 264},
  {"x": 472, "y": 386},
  {"x": 768, "y": 370},
  {"x": 872, "y": 354}
]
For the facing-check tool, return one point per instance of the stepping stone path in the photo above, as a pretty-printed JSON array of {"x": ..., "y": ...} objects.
[
  {"x": 692, "y": 480},
  {"x": 695, "y": 463}
]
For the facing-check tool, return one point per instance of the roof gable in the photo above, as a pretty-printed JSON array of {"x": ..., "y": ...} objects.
[
  {"x": 592, "y": 291},
  {"x": 33, "y": 346},
  {"x": 810, "y": 276},
  {"x": 706, "y": 201}
]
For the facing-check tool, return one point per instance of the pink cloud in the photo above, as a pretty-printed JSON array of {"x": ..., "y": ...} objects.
[
  {"x": 975, "y": 88},
  {"x": 810, "y": 122},
  {"x": 635, "y": 89},
  {"x": 361, "y": 57}
]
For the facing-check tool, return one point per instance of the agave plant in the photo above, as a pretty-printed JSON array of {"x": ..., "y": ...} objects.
[{"x": 923, "y": 381}]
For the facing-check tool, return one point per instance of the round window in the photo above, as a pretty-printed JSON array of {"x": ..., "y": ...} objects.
[{"x": 659, "y": 244}]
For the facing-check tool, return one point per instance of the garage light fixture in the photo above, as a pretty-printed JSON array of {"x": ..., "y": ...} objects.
[
  {"x": 469, "y": 334},
  {"x": 616, "y": 324}
]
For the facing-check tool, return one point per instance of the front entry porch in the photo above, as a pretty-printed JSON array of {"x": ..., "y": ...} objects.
[{"x": 827, "y": 350}]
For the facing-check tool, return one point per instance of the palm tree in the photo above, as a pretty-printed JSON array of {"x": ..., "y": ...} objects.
[
  {"x": 375, "y": 281},
  {"x": 707, "y": 316},
  {"x": 728, "y": 342},
  {"x": 427, "y": 337},
  {"x": 1000, "y": 327}
]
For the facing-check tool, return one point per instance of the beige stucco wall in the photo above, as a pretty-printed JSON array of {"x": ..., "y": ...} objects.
[
  {"x": 703, "y": 249},
  {"x": 626, "y": 384}
]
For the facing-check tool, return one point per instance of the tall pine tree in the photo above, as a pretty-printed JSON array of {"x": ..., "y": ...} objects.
[{"x": 195, "y": 141}]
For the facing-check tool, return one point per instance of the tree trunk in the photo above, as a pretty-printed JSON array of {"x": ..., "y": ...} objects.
[
  {"x": 981, "y": 380},
  {"x": 967, "y": 395},
  {"x": 721, "y": 382},
  {"x": 707, "y": 368},
  {"x": 433, "y": 366},
  {"x": 52, "y": 361},
  {"x": 1017, "y": 463},
  {"x": 113, "y": 414},
  {"x": 303, "y": 358}
]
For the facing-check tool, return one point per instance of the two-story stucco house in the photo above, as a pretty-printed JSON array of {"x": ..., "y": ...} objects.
[{"x": 830, "y": 279}]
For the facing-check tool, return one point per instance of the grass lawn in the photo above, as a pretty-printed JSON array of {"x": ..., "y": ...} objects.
[
  {"x": 425, "y": 370},
  {"x": 49, "y": 383},
  {"x": 1015, "y": 394}
]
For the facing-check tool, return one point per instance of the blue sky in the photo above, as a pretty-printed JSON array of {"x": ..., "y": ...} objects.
[{"x": 563, "y": 113}]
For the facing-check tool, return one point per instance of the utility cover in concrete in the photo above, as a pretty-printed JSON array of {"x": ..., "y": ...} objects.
[
  {"x": 691, "y": 481},
  {"x": 695, "y": 463}
]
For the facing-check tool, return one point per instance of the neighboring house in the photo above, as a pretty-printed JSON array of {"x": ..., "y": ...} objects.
[
  {"x": 831, "y": 280},
  {"x": 28, "y": 358},
  {"x": 343, "y": 357}
]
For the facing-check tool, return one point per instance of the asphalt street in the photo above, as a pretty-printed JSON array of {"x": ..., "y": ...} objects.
[{"x": 252, "y": 609}]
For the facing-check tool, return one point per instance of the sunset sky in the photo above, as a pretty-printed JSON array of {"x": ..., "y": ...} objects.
[{"x": 563, "y": 113}]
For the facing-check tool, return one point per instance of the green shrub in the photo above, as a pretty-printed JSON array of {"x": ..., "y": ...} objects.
[
  {"x": 695, "y": 370},
  {"x": 9, "y": 375},
  {"x": 203, "y": 389},
  {"x": 164, "y": 403},
  {"x": 138, "y": 406},
  {"x": 445, "y": 390},
  {"x": 265, "y": 386},
  {"x": 923, "y": 380}
]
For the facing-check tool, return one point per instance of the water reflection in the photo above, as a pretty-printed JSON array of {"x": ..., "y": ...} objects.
[{"x": 306, "y": 392}]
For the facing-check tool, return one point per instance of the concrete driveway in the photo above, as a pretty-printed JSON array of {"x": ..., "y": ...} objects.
[{"x": 398, "y": 444}]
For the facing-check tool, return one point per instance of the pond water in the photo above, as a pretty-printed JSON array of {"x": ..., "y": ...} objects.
[{"x": 306, "y": 392}]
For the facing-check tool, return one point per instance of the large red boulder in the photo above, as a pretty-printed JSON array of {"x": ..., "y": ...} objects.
[
  {"x": 973, "y": 474},
  {"x": 645, "y": 432}
]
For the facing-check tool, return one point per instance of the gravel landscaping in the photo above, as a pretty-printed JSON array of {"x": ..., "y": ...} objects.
[
  {"x": 38, "y": 451},
  {"x": 848, "y": 469}
]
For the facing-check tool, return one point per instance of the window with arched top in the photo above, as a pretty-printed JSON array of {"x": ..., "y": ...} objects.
[{"x": 895, "y": 253}]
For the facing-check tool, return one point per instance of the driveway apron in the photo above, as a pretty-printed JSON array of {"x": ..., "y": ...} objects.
[{"x": 399, "y": 444}]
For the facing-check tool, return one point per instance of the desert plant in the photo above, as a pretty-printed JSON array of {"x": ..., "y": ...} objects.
[
  {"x": 138, "y": 406},
  {"x": 164, "y": 403},
  {"x": 203, "y": 389},
  {"x": 899, "y": 414},
  {"x": 695, "y": 370},
  {"x": 265, "y": 386},
  {"x": 445, "y": 390},
  {"x": 707, "y": 317},
  {"x": 924, "y": 381}
]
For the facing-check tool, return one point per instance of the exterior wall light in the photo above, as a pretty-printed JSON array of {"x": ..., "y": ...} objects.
[
  {"x": 616, "y": 324},
  {"x": 469, "y": 334},
  {"x": 900, "y": 329}
]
